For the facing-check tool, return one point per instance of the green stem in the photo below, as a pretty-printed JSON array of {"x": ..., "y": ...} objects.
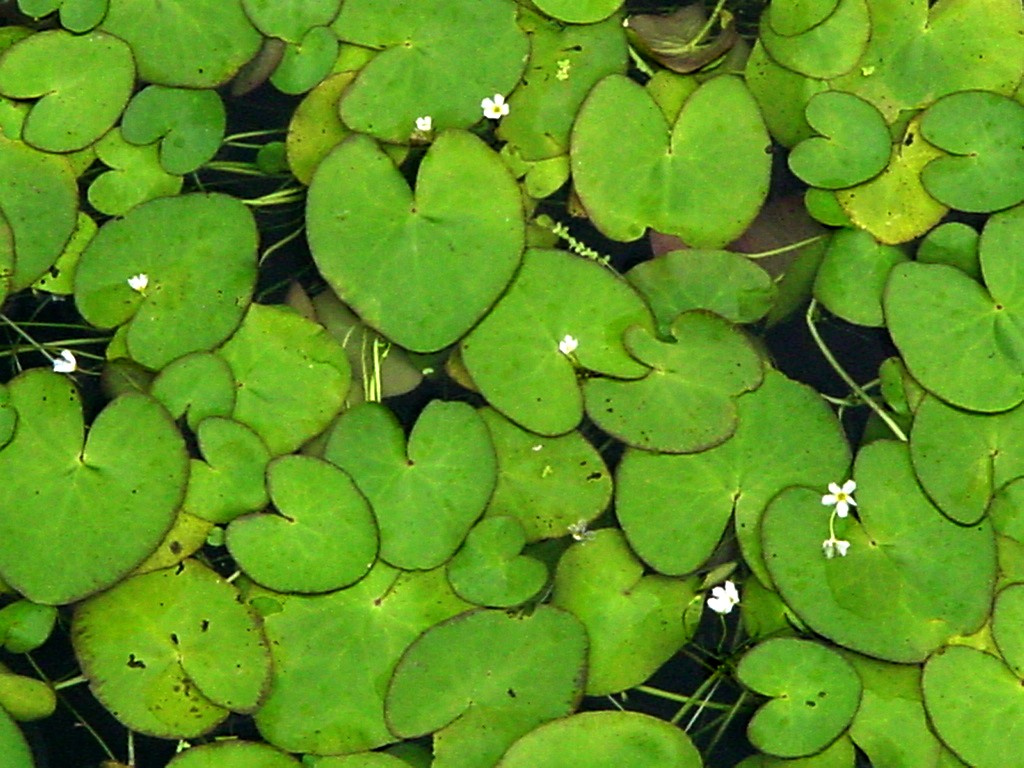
[
  {"x": 678, "y": 698},
  {"x": 830, "y": 358},
  {"x": 736, "y": 707},
  {"x": 784, "y": 248},
  {"x": 707, "y": 27},
  {"x": 35, "y": 344},
  {"x": 81, "y": 720}
]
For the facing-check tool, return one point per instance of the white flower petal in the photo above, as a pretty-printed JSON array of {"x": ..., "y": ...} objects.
[
  {"x": 842, "y": 547},
  {"x": 723, "y": 598},
  {"x": 424, "y": 124},
  {"x": 138, "y": 282},
  {"x": 568, "y": 344},
  {"x": 66, "y": 363},
  {"x": 494, "y": 108}
]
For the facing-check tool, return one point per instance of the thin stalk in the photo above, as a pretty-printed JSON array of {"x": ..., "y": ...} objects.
[
  {"x": 784, "y": 248},
  {"x": 678, "y": 698}
]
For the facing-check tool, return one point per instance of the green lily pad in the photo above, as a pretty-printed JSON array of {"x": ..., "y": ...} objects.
[
  {"x": 60, "y": 278},
  {"x": 854, "y": 144},
  {"x": 306, "y": 63},
  {"x": 674, "y": 509},
  {"x": 604, "y": 740},
  {"x": 579, "y": 11},
  {"x": 13, "y": 745},
  {"x": 229, "y": 480},
  {"x": 366, "y": 760},
  {"x": 292, "y": 19},
  {"x": 974, "y": 704},
  {"x": 687, "y": 402},
  {"x": 345, "y": 645},
  {"x": 75, "y": 15},
  {"x": 24, "y": 625},
  {"x": 982, "y": 329},
  {"x": 633, "y": 621},
  {"x": 782, "y": 96},
  {"x": 1007, "y": 620},
  {"x": 799, "y": 16},
  {"x": 154, "y": 650},
  {"x": 323, "y": 536},
  {"x": 196, "y": 386},
  {"x": 233, "y": 754},
  {"x": 893, "y": 596},
  {"x": 547, "y": 483},
  {"x": 481, "y": 680},
  {"x": 316, "y": 128},
  {"x": 423, "y": 267},
  {"x": 25, "y": 698},
  {"x": 839, "y": 754},
  {"x": 76, "y": 105},
  {"x": 188, "y": 123},
  {"x": 8, "y": 416},
  {"x": 201, "y": 277},
  {"x": 514, "y": 357},
  {"x": 448, "y": 468},
  {"x": 673, "y": 183},
  {"x": 132, "y": 464},
  {"x": 565, "y": 63},
  {"x": 726, "y": 283},
  {"x": 954, "y": 243},
  {"x": 824, "y": 50},
  {"x": 39, "y": 199},
  {"x": 979, "y": 128},
  {"x": 291, "y": 376},
  {"x": 490, "y": 571},
  {"x": 135, "y": 176},
  {"x": 853, "y": 274},
  {"x": 814, "y": 690},
  {"x": 431, "y": 62},
  {"x": 963, "y": 458},
  {"x": 199, "y": 44}
]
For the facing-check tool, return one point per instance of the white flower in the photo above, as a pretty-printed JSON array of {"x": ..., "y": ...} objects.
[
  {"x": 496, "y": 108},
  {"x": 66, "y": 363},
  {"x": 724, "y": 598},
  {"x": 138, "y": 282},
  {"x": 568, "y": 344},
  {"x": 832, "y": 545},
  {"x": 424, "y": 124},
  {"x": 579, "y": 531},
  {"x": 840, "y": 498}
]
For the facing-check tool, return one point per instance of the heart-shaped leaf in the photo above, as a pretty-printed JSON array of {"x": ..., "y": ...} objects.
[
  {"x": 135, "y": 176},
  {"x": 815, "y": 693},
  {"x": 633, "y": 621},
  {"x": 154, "y": 649},
  {"x": 76, "y": 105},
  {"x": 132, "y": 465},
  {"x": 489, "y": 569},
  {"x": 209, "y": 264},
  {"x": 307, "y": 62},
  {"x": 853, "y": 274},
  {"x": 954, "y": 243},
  {"x": 322, "y": 538},
  {"x": 426, "y": 495},
  {"x": 316, "y": 128},
  {"x": 514, "y": 355},
  {"x": 1007, "y": 623},
  {"x": 228, "y": 481},
  {"x": 798, "y": 16},
  {"x": 481, "y": 680},
  {"x": 75, "y": 15},
  {"x": 423, "y": 267},
  {"x": 687, "y": 402},
  {"x": 672, "y": 184},
  {"x": 196, "y": 387},
  {"x": 291, "y": 19},
  {"x": 188, "y": 123},
  {"x": 893, "y": 596},
  {"x": 823, "y": 50},
  {"x": 854, "y": 144}
]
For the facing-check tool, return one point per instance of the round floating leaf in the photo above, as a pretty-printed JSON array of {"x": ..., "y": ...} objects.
[
  {"x": 674, "y": 179},
  {"x": 24, "y": 625},
  {"x": 825, "y": 50},
  {"x": 981, "y": 129},
  {"x": 345, "y": 645},
  {"x": 604, "y": 740},
  {"x": 547, "y": 483},
  {"x": 799, "y": 16},
  {"x": 368, "y": 760},
  {"x": 76, "y": 105},
  {"x": 782, "y": 96},
  {"x": 196, "y": 386},
  {"x": 25, "y": 698},
  {"x": 315, "y": 128},
  {"x": 229, "y": 481},
  {"x": 188, "y": 123},
  {"x": 1007, "y": 623},
  {"x": 201, "y": 277},
  {"x": 954, "y": 243},
  {"x": 423, "y": 267},
  {"x": 513, "y": 355},
  {"x": 854, "y": 144},
  {"x": 483, "y": 679},
  {"x": 565, "y": 63},
  {"x": 579, "y": 11},
  {"x": 489, "y": 569},
  {"x": 674, "y": 509},
  {"x": 448, "y": 468},
  {"x": 233, "y": 754},
  {"x": 39, "y": 200},
  {"x": 195, "y": 44},
  {"x": 633, "y": 621},
  {"x": 132, "y": 465},
  {"x": 135, "y": 176},
  {"x": 8, "y": 417},
  {"x": 852, "y": 276},
  {"x": 292, "y": 19},
  {"x": 893, "y": 206},
  {"x": 13, "y": 746},
  {"x": 840, "y": 754},
  {"x": 307, "y": 62},
  {"x": 815, "y": 693},
  {"x": 433, "y": 61},
  {"x": 687, "y": 402},
  {"x": 172, "y": 652},
  {"x": 322, "y": 538},
  {"x": 894, "y": 595},
  {"x": 963, "y": 458},
  {"x": 726, "y": 283},
  {"x": 974, "y": 702},
  {"x": 291, "y": 376}
]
